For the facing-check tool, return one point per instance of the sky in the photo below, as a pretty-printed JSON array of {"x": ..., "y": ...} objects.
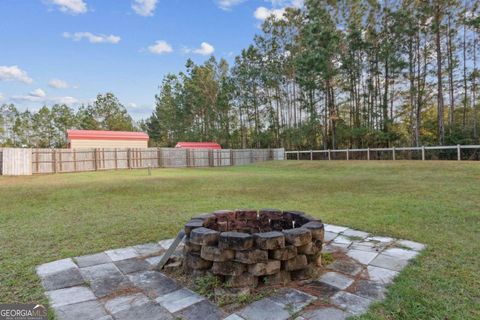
[{"x": 68, "y": 51}]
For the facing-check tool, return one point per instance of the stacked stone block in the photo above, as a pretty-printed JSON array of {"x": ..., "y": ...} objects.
[{"x": 247, "y": 247}]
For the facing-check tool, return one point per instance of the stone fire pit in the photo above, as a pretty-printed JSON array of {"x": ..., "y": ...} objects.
[{"x": 248, "y": 247}]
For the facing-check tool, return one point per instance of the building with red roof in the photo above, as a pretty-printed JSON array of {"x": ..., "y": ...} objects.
[
  {"x": 198, "y": 145},
  {"x": 106, "y": 139}
]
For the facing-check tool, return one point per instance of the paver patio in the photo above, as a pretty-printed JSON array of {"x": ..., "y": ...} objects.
[{"x": 123, "y": 284}]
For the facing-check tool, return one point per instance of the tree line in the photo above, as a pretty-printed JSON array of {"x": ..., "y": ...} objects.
[
  {"x": 47, "y": 127},
  {"x": 334, "y": 74}
]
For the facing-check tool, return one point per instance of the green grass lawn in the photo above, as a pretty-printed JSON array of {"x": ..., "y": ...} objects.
[{"x": 49, "y": 217}]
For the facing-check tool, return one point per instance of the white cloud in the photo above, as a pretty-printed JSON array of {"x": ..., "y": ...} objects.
[
  {"x": 205, "y": 49},
  {"x": 14, "y": 73},
  {"x": 1, "y": 97},
  {"x": 58, "y": 84},
  {"x": 92, "y": 38},
  {"x": 160, "y": 47},
  {"x": 70, "y": 6},
  {"x": 228, "y": 4},
  {"x": 278, "y": 10},
  {"x": 262, "y": 13},
  {"x": 144, "y": 7},
  {"x": 39, "y": 96},
  {"x": 39, "y": 93},
  {"x": 132, "y": 105}
]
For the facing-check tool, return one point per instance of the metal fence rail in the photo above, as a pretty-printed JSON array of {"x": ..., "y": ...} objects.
[{"x": 458, "y": 152}]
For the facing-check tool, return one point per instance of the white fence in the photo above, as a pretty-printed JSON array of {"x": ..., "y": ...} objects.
[{"x": 458, "y": 152}]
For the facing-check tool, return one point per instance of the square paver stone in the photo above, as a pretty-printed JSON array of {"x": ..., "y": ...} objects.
[
  {"x": 370, "y": 289},
  {"x": 370, "y": 246},
  {"x": 92, "y": 260},
  {"x": 132, "y": 265},
  {"x": 347, "y": 266},
  {"x": 204, "y": 310},
  {"x": 149, "y": 249},
  {"x": 122, "y": 254},
  {"x": 121, "y": 303},
  {"x": 380, "y": 239},
  {"x": 401, "y": 253},
  {"x": 55, "y": 266},
  {"x": 411, "y": 245},
  {"x": 350, "y": 302},
  {"x": 154, "y": 282},
  {"x": 336, "y": 279},
  {"x": 321, "y": 290},
  {"x": 71, "y": 295},
  {"x": 364, "y": 257},
  {"x": 178, "y": 300},
  {"x": 59, "y": 274},
  {"x": 381, "y": 275},
  {"x": 146, "y": 311},
  {"x": 265, "y": 309},
  {"x": 294, "y": 300},
  {"x": 105, "y": 279},
  {"x": 334, "y": 228},
  {"x": 355, "y": 234},
  {"x": 342, "y": 240},
  {"x": 389, "y": 262},
  {"x": 326, "y": 314},
  {"x": 88, "y": 310}
]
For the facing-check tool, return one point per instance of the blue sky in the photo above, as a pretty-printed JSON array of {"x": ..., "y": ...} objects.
[{"x": 67, "y": 51}]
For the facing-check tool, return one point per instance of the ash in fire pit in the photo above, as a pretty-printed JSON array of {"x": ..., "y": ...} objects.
[{"x": 246, "y": 247}]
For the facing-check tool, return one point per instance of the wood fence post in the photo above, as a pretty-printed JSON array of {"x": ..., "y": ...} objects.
[
  {"x": 159, "y": 157},
  {"x": 54, "y": 161},
  {"x": 368, "y": 154},
  {"x": 393, "y": 154},
  {"x": 128, "y": 158},
  {"x": 74, "y": 160},
  {"x": 232, "y": 159},
  {"x": 348, "y": 154},
  {"x": 459, "y": 153},
  {"x": 329, "y": 155},
  {"x": 95, "y": 164},
  {"x": 298, "y": 155},
  {"x": 116, "y": 159},
  {"x": 311, "y": 155},
  {"x": 210, "y": 158},
  {"x": 423, "y": 153}
]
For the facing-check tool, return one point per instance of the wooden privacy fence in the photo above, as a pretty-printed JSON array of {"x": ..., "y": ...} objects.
[
  {"x": 77, "y": 160},
  {"x": 458, "y": 152}
]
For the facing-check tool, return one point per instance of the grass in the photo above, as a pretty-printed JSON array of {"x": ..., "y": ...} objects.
[{"x": 45, "y": 218}]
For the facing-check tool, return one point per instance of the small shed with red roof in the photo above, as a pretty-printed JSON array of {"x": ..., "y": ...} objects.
[
  {"x": 106, "y": 139},
  {"x": 198, "y": 145}
]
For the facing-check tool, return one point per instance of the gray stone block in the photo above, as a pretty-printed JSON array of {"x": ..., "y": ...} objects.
[
  {"x": 411, "y": 245},
  {"x": 124, "y": 302},
  {"x": 55, "y": 267},
  {"x": 364, "y": 257},
  {"x": 355, "y": 234},
  {"x": 71, "y": 295},
  {"x": 326, "y": 314},
  {"x": 204, "y": 310},
  {"x": 178, "y": 300},
  {"x": 62, "y": 279},
  {"x": 269, "y": 240},
  {"x": 132, "y": 265},
  {"x": 105, "y": 279},
  {"x": 294, "y": 300},
  {"x": 400, "y": 253},
  {"x": 149, "y": 249},
  {"x": 92, "y": 260},
  {"x": 349, "y": 267},
  {"x": 334, "y": 228},
  {"x": 389, "y": 262},
  {"x": 321, "y": 290},
  {"x": 381, "y": 275},
  {"x": 336, "y": 280},
  {"x": 88, "y": 310},
  {"x": 352, "y": 303},
  {"x": 122, "y": 254},
  {"x": 147, "y": 311},
  {"x": 265, "y": 309},
  {"x": 153, "y": 282},
  {"x": 370, "y": 289}
]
